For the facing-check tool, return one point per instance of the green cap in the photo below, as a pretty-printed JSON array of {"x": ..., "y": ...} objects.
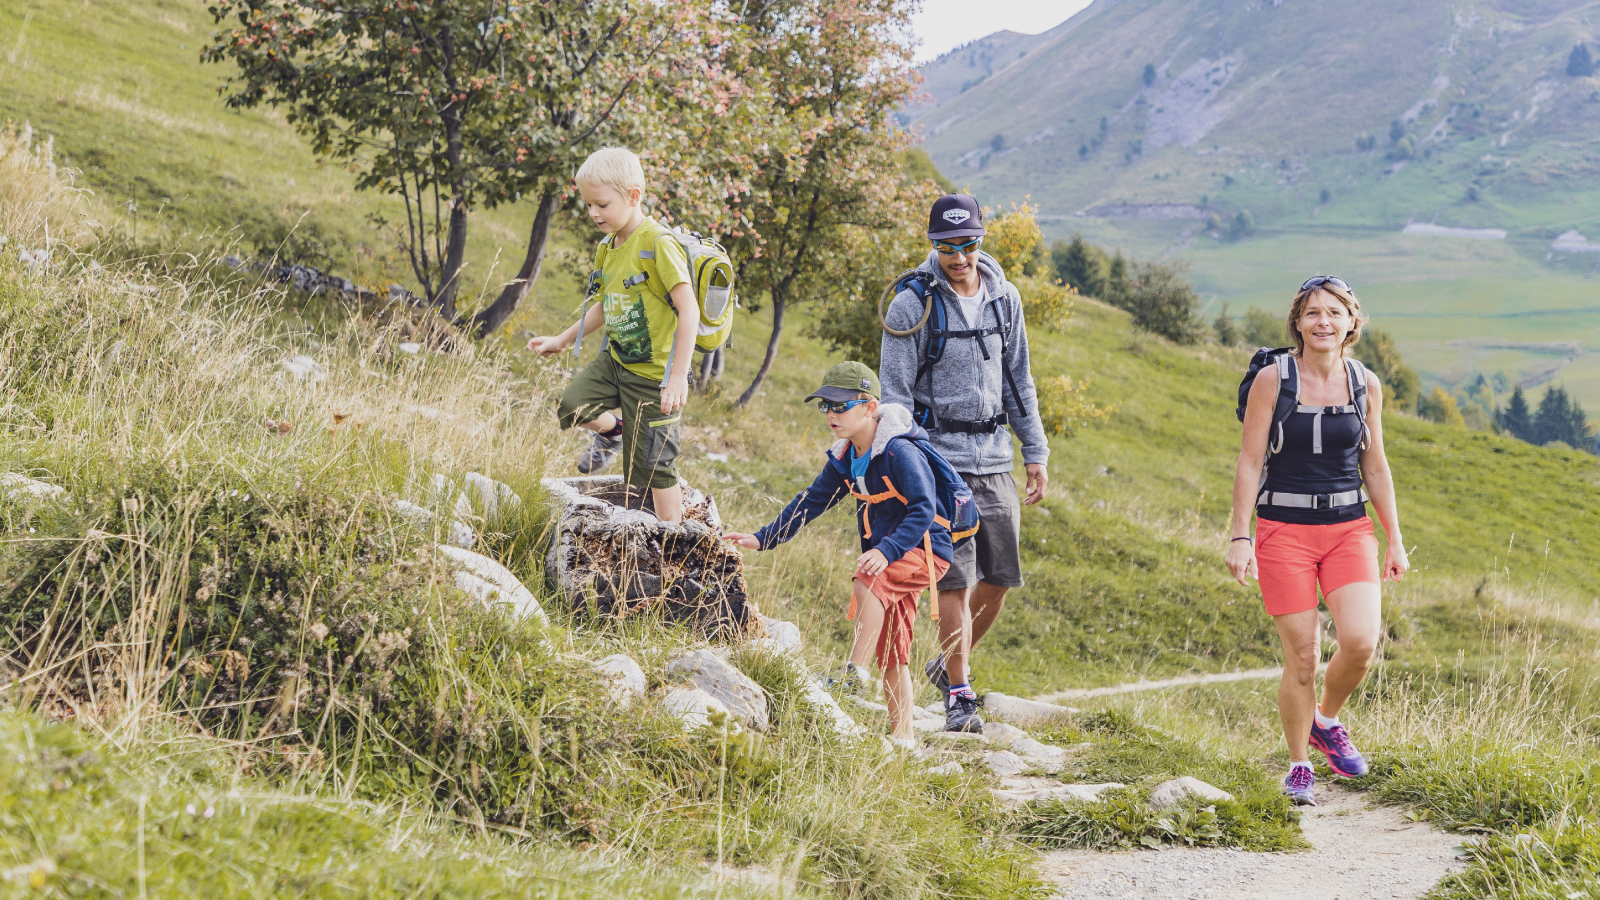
[{"x": 846, "y": 380}]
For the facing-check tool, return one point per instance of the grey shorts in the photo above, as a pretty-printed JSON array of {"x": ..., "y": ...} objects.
[{"x": 993, "y": 555}]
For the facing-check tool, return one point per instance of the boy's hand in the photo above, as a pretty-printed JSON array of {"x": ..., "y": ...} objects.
[
  {"x": 872, "y": 562},
  {"x": 1038, "y": 478},
  {"x": 674, "y": 394},
  {"x": 747, "y": 541},
  {"x": 549, "y": 345}
]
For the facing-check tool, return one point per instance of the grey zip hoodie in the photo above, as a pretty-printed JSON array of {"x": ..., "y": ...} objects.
[{"x": 965, "y": 386}]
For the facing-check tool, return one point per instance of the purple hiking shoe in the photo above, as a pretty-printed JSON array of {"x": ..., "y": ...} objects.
[
  {"x": 1298, "y": 783},
  {"x": 1343, "y": 757}
]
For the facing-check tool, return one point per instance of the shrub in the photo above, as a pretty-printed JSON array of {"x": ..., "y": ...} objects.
[
  {"x": 1149, "y": 74},
  {"x": 1579, "y": 63},
  {"x": 1082, "y": 265},
  {"x": 1064, "y": 408},
  {"x": 1263, "y": 329},
  {"x": 1243, "y": 225},
  {"x": 1378, "y": 352},
  {"x": 1226, "y": 331},
  {"x": 1162, "y": 301},
  {"x": 1045, "y": 303},
  {"x": 1439, "y": 406}
]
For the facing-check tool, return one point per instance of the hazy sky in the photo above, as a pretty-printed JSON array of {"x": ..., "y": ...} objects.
[{"x": 947, "y": 24}]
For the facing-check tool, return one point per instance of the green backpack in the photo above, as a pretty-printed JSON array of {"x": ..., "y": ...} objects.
[{"x": 710, "y": 275}]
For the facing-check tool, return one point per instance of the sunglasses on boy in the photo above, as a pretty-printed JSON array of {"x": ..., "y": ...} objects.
[
  {"x": 952, "y": 249},
  {"x": 829, "y": 406},
  {"x": 1321, "y": 280}
]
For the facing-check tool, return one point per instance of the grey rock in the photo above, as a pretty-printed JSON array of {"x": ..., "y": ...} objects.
[
  {"x": 1169, "y": 793},
  {"x": 950, "y": 737},
  {"x": 1013, "y": 794},
  {"x": 836, "y": 717},
  {"x": 869, "y": 706},
  {"x": 305, "y": 368},
  {"x": 1004, "y": 763},
  {"x": 1001, "y": 735},
  {"x": 1020, "y": 711},
  {"x": 785, "y": 636},
  {"x": 17, "y": 485},
  {"x": 493, "y": 496},
  {"x": 626, "y": 678},
  {"x": 491, "y": 582},
  {"x": 927, "y": 726},
  {"x": 1039, "y": 756},
  {"x": 949, "y": 768},
  {"x": 694, "y": 707},
  {"x": 714, "y": 675}
]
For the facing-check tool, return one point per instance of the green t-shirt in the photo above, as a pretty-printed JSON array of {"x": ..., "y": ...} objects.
[{"x": 641, "y": 321}]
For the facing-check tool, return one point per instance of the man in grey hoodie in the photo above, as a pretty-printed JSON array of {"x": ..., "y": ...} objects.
[{"x": 971, "y": 402}]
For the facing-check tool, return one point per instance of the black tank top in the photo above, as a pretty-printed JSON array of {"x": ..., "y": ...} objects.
[{"x": 1321, "y": 455}]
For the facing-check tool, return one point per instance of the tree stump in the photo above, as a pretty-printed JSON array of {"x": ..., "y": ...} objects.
[{"x": 610, "y": 556}]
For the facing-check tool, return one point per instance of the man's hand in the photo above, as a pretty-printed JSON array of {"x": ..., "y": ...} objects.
[
  {"x": 747, "y": 541},
  {"x": 871, "y": 562},
  {"x": 1038, "y": 477},
  {"x": 674, "y": 394},
  {"x": 549, "y": 345}
]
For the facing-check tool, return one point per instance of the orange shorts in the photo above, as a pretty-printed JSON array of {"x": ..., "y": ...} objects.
[
  {"x": 897, "y": 588},
  {"x": 1293, "y": 559}
]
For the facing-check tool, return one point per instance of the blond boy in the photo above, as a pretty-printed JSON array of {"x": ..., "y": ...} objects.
[{"x": 649, "y": 312}]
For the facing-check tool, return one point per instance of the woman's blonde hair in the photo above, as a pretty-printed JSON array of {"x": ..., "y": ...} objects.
[{"x": 1298, "y": 307}]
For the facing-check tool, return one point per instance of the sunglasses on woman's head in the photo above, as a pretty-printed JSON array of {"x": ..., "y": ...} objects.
[
  {"x": 829, "y": 406},
  {"x": 952, "y": 249},
  {"x": 1321, "y": 280}
]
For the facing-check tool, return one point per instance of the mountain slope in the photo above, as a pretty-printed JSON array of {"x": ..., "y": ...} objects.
[{"x": 1285, "y": 110}]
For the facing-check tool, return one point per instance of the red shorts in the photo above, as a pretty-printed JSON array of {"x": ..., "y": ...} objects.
[
  {"x": 897, "y": 588},
  {"x": 1293, "y": 559}
]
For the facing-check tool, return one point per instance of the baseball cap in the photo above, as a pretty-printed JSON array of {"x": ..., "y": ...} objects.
[
  {"x": 955, "y": 216},
  {"x": 844, "y": 381}
]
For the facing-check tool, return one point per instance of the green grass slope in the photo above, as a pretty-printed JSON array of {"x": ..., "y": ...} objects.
[{"x": 1503, "y": 138}]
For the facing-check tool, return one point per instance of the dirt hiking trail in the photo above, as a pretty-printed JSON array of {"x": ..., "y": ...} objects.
[{"x": 1358, "y": 852}]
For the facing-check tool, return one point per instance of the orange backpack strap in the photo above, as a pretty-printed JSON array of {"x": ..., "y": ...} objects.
[{"x": 933, "y": 585}]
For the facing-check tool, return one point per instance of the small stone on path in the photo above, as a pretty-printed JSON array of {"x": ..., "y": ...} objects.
[
  {"x": 1004, "y": 763},
  {"x": 626, "y": 678},
  {"x": 717, "y": 677},
  {"x": 949, "y": 768},
  {"x": 1001, "y": 735},
  {"x": 1024, "y": 712}
]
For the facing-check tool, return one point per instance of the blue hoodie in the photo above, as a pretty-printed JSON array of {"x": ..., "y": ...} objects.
[{"x": 896, "y": 528}]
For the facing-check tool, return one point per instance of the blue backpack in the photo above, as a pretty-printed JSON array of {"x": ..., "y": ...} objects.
[{"x": 954, "y": 507}]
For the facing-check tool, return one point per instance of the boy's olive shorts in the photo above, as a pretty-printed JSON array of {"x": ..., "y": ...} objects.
[{"x": 649, "y": 439}]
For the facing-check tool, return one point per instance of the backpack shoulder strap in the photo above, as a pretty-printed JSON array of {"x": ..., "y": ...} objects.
[
  {"x": 1288, "y": 399},
  {"x": 1359, "y": 396}
]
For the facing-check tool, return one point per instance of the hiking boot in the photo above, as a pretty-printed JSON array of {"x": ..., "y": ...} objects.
[
  {"x": 961, "y": 713},
  {"x": 937, "y": 676},
  {"x": 1343, "y": 757},
  {"x": 1297, "y": 785},
  {"x": 600, "y": 453}
]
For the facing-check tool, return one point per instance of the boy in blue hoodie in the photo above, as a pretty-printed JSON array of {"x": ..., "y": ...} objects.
[{"x": 881, "y": 459}]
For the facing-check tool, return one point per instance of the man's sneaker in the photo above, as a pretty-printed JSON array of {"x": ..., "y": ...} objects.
[
  {"x": 961, "y": 713},
  {"x": 937, "y": 676},
  {"x": 1343, "y": 757},
  {"x": 600, "y": 453},
  {"x": 1298, "y": 783}
]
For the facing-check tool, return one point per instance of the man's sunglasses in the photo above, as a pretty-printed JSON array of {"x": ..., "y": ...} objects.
[
  {"x": 952, "y": 249},
  {"x": 1321, "y": 280},
  {"x": 829, "y": 406}
]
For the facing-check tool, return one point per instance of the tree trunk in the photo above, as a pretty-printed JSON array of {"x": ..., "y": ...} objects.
[
  {"x": 455, "y": 250},
  {"x": 711, "y": 367},
  {"x": 495, "y": 314},
  {"x": 772, "y": 352}
]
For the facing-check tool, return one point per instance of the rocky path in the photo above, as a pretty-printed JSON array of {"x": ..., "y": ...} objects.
[
  {"x": 1180, "y": 681},
  {"x": 1358, "y": 852}
]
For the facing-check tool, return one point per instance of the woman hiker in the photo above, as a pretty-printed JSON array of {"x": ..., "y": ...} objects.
[{"x": 1313, "y": 425}]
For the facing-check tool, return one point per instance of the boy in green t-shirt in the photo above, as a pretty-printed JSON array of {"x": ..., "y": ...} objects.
[{"x": 650, "y": 315}]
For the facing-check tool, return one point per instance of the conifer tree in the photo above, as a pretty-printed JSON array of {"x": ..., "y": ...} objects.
[
  {"x": 1227, "y": 332},
  {"x": 1515, "y": 419},
  {"x": 1579, "y": 63}
]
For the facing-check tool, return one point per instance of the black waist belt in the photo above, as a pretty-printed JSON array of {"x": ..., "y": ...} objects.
[{"x": 938, "y": 424}]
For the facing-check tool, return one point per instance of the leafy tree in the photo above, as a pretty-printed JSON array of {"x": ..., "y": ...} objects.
[
  {"x": 1516, "y": 419},
  {"x": 1226, "y": 331},
  {"x": 1440, "y": 407},
  {"x": 1012, "y": 236},
  {"x": 1149, "y": 74},
  {"x": 1579, "y": 63},
  {"x": 1397, "y": 130},
  {"x": 918, "y": 166},
  {"x": 1377, "y": 351},
  {"x": 457, "y": 105},
  {"x": 1263, "y": 329},
  {"x": 1213, "y": 222},
  {"x": 1162, "y": 301},
  {"x": 1243, "y": 225},
  {"x": 825, "y": 216}
]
